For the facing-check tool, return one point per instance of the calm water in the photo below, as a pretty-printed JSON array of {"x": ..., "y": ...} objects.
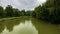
[{"x": 27, "y": 25}]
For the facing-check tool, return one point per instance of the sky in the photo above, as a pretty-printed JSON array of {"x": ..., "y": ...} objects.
[{"x": 22, "y": 4}]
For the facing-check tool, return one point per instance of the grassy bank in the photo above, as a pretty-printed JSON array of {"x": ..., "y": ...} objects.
[{"x": 9, "y": 18}]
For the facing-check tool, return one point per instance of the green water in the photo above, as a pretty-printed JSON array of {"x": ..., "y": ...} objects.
[{"x": 27, "y": 25}]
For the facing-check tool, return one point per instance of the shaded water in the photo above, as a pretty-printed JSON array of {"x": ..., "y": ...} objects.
[{"x": 27, "y": 25}]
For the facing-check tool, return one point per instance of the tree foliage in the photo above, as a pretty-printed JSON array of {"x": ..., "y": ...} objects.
[{"x": 49, "y": 11}]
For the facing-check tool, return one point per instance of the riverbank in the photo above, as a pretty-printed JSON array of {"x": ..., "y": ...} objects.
[
  {"x": 22, "y": 18},
  {"x": 11, "y": 18}
]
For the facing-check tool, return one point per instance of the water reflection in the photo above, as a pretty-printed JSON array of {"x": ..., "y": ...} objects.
[
  {"x": 1, "y": 27},
  {"x": 26, "y": 25},
  {"x": 23, "y": 28}
]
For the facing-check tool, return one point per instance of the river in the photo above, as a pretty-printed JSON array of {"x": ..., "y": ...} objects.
[{"x": 27, "y": 25}]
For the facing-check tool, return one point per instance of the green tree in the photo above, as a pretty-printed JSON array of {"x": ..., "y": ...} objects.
[
  {"x": 2, "y": 12},
  {"x": 9, "y": 11},
  {"x": 23, "y": 13},
  {"x": 16, "y": 12},
  {"x": 38, "y": 11}
]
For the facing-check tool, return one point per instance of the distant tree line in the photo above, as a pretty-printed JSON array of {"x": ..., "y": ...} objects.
[
  {"x": 49, "y": 11},
  {"x": 9, "y": 11}
]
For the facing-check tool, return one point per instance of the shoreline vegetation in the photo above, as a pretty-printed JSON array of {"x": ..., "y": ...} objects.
[
  {"x": 12, "y": 18},
  {"x": 49, "y": 11}
]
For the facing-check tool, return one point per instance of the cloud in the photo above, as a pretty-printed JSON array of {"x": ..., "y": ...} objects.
[{"x": 22, "y": 4}]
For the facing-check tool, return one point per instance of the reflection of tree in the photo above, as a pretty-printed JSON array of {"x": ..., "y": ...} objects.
[
  {"x": 1, "y": 27},
  {"x": 34, "y": 22},
  {"x": 9, "y": 24}
]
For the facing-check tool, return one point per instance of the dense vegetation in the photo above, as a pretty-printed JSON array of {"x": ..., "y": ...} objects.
[
  {"x": 9, "y": 11},
  {"x": 49, "y": 11}
]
